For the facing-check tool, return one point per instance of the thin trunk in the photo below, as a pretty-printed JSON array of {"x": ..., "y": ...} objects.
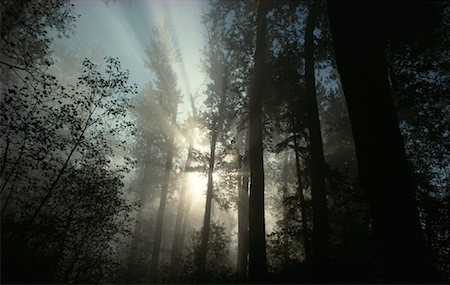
[
  {"x": 153, "y": 270},
  {"x": 161, "y": 210},
  {"x": 209, "y": 192},
  {"x": 305, "y": 230},
  {"x": 383, "y": 167},
  {"x": 207, "y": 220},
  {"x": 286, "y": 206},
  {"x": 177, "y": 244},
  {"x": 319, "y": 200},
  {"x": 188, "y": 206},
  {"x": 257, "y": 232},
  {"x": 184, "y": 224},
  {"x": 243, "y": 216}
]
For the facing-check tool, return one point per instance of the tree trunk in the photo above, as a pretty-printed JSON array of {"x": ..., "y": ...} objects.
[
  {"x": 161, "y": 210},
  {"x": 319, "y": 199},
  {"x": 207, "y": 220},
  {"x": 209, "y": 192},
  {"x": 305, "y": 230},
  {"x": 383, "y": 167},
  {"x": 257, "y": 233},
  {"x": 184, "y": 224},
  {"x": 243, "y": 217},
  {"x": 177, "y": 244}
]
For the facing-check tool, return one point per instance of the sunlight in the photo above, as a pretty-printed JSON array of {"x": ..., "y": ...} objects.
[
  {"x": 217, "y": 178},
  {"x": 197, "y": 185},
  {"x": 200, "y": 143},
  {"x": 188, "y": 37}
]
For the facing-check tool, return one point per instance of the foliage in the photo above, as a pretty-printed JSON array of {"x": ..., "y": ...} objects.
[
  {"x": 62, "y": 172},
  {"x": 26, "y": 28},
  {"x": 418, "y": 57}
]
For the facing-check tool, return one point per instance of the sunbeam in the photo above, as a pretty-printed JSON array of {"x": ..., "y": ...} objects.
[{"x": 224, "y": 142}]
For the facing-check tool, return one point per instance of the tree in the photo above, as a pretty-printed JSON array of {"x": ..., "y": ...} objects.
[
  {"x": 417, "y": 54},
  {"x": 184, "y": 203},
  {"x": 218, "y": 70},
  {"x": 25, "y": 37},
  {"x": 319, "y": 200},
  {"x": 150, "y": 148},
  {"x": 160, "y": 54},
  {"x": 383, "y": 168},
  {"x": 257, "y": 235},
  {"x": 67, "y": 204}
]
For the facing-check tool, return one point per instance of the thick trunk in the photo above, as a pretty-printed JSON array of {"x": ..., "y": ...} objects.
[
  {"x": 383, "y": 168},
  {"x": 257, "y": 233},
  {"x": 177, "y": 244},
  {"x": 243, "y": 217},
  {"x": 319, "y": 199}
]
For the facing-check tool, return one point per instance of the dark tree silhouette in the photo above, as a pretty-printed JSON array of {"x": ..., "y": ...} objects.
[
  {"x": 359, "y": 46},
  {"x": 257, "y": 234},
  {"x": 317, "y": 165}
]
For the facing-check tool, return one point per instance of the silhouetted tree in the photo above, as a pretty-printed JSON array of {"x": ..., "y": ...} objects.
[
  {"x": 383, "y": 168},
  {"x": 257, "y": 233},
  {"x": 218, "y": 71},
  {"x": 319, "y": 200}
]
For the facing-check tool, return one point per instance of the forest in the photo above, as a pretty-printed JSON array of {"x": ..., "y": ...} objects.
[{"x": 224, "y": 141}]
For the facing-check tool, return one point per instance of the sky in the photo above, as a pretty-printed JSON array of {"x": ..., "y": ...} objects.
[{"x": 123, "y": 29}]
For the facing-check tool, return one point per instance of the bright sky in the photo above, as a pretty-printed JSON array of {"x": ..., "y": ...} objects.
[{"x": 123, "y": 28}]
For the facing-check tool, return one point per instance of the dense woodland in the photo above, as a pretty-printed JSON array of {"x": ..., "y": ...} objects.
[{"x": 318, "y": 150}]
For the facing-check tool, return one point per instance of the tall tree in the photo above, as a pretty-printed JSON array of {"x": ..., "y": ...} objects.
[
  {"x": 257, "y": 233},
  {"x": 219, "y": 74},
  {"x": 359, "y": 46},
  {"x": 183, "y": 203},
  {"x": 150, "y": 147},
  {"x": 317, "y": 164},
  {"x": 161, "y": 53}
]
